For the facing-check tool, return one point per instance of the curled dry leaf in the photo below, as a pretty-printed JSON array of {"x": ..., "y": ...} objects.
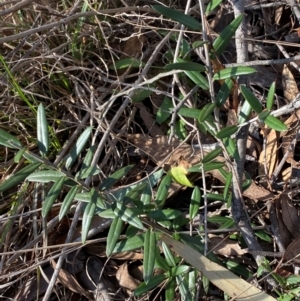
[
  {"x": 290, "y": 89},
  {"x": 125, "y": 279},
  {"x": 293, "y": 251},
  {"x": 224, "y": 246},
  {"x": 290, "y": 215}
]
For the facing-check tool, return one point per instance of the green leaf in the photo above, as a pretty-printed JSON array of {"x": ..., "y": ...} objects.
[
  {"x": 170, "y": 290},
  {"x": 189, "y": 112},
  {"x": 163, "y": 215},
  {"x": 87, "y": 172},
  {"x": 67, "y": 202},
  {"x": 141, "y": 94},
  {"x": 263, "y": 115},
  {"x": 126, "y": 63},
  {"x": 187, "y": 66},
  {"x": 212, "y": 5},
  {"x": 245, "y": 112},
  {"x": 114, "y": 233},
  {"x": 163, "y": 190},
  {"x": 178, "y": 16},
  {"x": 42, "y": 130},
  {"x": 183, "y": 288},
  {"x": 18, "y": 156},
  {"x": 263, "y": 235},
  {"x": 78, "y": 147},
  {"x": 88, "y": 215},
  {"x": 6, "y": 138},
  {"x": 224, "y": 38},
  {"x": 233, "y": 72},
  {"x": 205, "y": 283},
  {"x": 207, "y": 166},
  {"x": 146, "y": 196},
  {"x": 227, "y": 131},
  {"x": 152, "y": 283},
  {"x": 115, "y": 177},
  {"x": 227, "y": 184},
  {"x": 164, "y": 111},
  {"x": 252, "y": 99},
  {"x": 215, "y": 197},
  {"x": 231, "y": 147},
  {"x": 178, "y": 174},
  {"x": 196, "y": 77},
  {"x": 212, "y": 155},
  {"x": 18, "y": 177},
  {"x": 45, "y": 176},
  {"x": 206, "y": 111},
  {"x": 130, "y": 244},
  {"x": 238, "y": 269},
  {"x": 52, "y": 195},
  {"x": 168, "y": 255},
  {"x": 275, "y": 124},
  {"x": 198, "y": 44},
  {"x": 127, "y": 215},
  {"x": 195, "y": 202},
  {"x": 270, "y": 98},
  {"x": 149, "y": 255},
  {"x": 178, "y": 270},
  {"x": 224, "y": 92}
]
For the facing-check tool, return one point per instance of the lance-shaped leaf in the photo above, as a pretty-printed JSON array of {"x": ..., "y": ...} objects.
[
  {"x": 149, "y": 255},
  {"x": 152, "y": 283},
  {"x": 78, "y": 147},
  {"x": 275, "y": 124},
  {"x": 225, "y": 36},
  {"x": 52, "y": 195},
  {"x": 212, "y": 155},
  {"x": 163, "y": 190},
  {"x": 42, "y": 130},
  {"x": 6, "y": 138},
  {"x": 227, "y": 131},
  {"x": 233, "y": 72},
  {"x": 113, "y": 235},
  {"x": 186, "y": 65},
  {"x": 224, "y": 92},
  {"x": 168, "y": 255},
  {"x": 178, "y": 16},
  {"x": 195, "y": 202},
  {"x": 18, "y": 177},
  {"x": 45, "y": 176},
  {"x": 88, "y": 214},
  {"x": 212, "y": 5},
  {"x": 206, "y": 111},
  {"x": 69, "y": 198},
  {"x": 252, "y": 99},
  {"x": 270, "y": 98}
]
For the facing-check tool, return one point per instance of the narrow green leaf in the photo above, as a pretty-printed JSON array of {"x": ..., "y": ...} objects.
[
  {"x": 141, "y": 94},
  {"x": 149, "y": 255},
  {"x": 87, "y": 172},
  {"x": 88, "y": 215},
  {"x": 78, "y": 147},
  {"x": 130, "y": 244},
  {"x": 196, "y": 77},
  {"x": 127, "y": 215},
  {"x": 212, "y": 5},
  {"x": 178, "y": 174},
  {"x": 152, "y": 283},
  {"x": 212, "y": 155},
  {"x": 275, "y": 124},
  {"x": 164, "y": 111},
  {"x": 195, "y": 202},
  {"x": 163, "y": 190},
  {"x": 52, "y": 195},
  {"x": 170, "y": 290},
  {"x": 42, "y": 130},
  {"x": 163, "y": 215},
  {"x": 263, "y": 235},
  {"x": 224, "y": 38},
  {"x": 189, "y": 112},
  {"x": 18, "y": 177},
  {"x": 18, "y": 156},
  {"x": 114, "y": 233},
  {"x": 192, "y": 279},
  {"x": 233, "y": 72},
  {"x": 6, "y": 138},
  {"x": 187, "y": 66},
  {"x": 252, "y": 99},
  {"x": 178, "y": 16},
  {"x": 87, "y": 197},
  {"x": 146, "y": 195},
  {"x": 227, "y": 184},
  {"x": 245, "y": 112},
  {"x": 270, "y": 98},
  {"x": 45, "y": 176},
  {"x": 206, "y": 111},
  {"x": 198, "y": 44},
  {"x": 168, "y": 255},
  {"x": 183, "y": 288},
  {"x": 215, "y": 197},
  {"x": 263, "y": 115},
  {"x": 238, "y": 269},
  {"x": 115, "y": 177},
  {"x": 207, "y": 166},
  {"x": 205, "y": 283},
  {"x": 224, "y": 92},
  {"x": 126, "y": 63},
  {"x": 227, "y": 131},
  {"x": 178, "y": 270},
  {"x": 67, "y": 202},
  {"x": 231, "y": 147}
]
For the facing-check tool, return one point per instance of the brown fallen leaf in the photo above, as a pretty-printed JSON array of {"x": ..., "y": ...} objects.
[
  {"x": 256, "y": 192},
  {"x": 125, "y": 279},
  {"x": 290, "y": 89},
  {"x": 293, "y": 251},
  {"x": 225, "y": 247}
]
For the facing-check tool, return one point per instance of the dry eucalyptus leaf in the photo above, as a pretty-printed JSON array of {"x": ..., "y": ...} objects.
[
  {"x": 70, "y": 282},
  {"x": 268, "y": 157},
  {"x": 225, "y": 247},
  {"x": 125, "y": 279},
  {"x": 290, "y": 89},
  {"x": 256, "y": 192},
  {"x": 293, "y": 251},
  {"x": 290, "y": 215}
]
